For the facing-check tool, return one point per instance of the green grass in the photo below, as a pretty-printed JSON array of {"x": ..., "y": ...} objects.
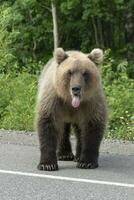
[
  {"x": 120, "y": 100},
  {"x": 18, "y": 96},
  {"x": 17, "y": 102}
]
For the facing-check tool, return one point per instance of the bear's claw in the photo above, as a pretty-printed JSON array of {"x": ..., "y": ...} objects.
[
  {"x": 46, "y": 167},
  {"x": 67, "y": 157},
  {"x": 83, "y": 165},
  {"x": 76, "y": 159}
]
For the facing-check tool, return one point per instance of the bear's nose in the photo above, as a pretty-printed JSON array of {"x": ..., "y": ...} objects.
[{"x": 76, "y": 90}]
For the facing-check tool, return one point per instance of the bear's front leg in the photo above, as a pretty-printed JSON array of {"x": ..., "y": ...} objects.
[
  {"x": 65, "y": 150},
  {"x": 48, "y": 143},
  {"x": 91, "y": 139}
]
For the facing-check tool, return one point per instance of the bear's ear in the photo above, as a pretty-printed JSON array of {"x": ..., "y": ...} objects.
[
  {"x": 96, "y": 56},
  {"x": 60, "y": 55}
]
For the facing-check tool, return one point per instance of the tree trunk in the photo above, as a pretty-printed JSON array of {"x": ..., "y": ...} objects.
[
  {"x": 100, "y": 32},
  {"x": 95, "y": 31},
  {"x": 129, "y": 33},
  {"x": 55, "y": 24}
]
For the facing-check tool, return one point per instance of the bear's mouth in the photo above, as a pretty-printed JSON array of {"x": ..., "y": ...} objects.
[{"x": 75, "y": 101}]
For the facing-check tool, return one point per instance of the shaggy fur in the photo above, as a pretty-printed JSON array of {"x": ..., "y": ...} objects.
[{"x": 55, "y": 114}]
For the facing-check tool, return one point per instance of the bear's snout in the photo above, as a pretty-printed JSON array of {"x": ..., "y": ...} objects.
[{"x": 76, "y": 90}]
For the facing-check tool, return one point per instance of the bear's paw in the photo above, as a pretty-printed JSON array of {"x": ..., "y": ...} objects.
[{"x": 47, "y": 167}]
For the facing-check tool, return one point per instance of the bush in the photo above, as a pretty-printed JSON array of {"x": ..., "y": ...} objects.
[
  {"x": 119, "y": 92},
  {"x": 17, "y": 102},
  {"x": 25, "y": 35},
  {"x": 120, "y": 103}
]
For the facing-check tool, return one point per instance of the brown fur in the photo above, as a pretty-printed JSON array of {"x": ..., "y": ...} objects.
[{"x": 55, "y": 113}]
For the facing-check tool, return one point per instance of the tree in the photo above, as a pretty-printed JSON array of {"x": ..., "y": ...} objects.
[
  {"x": 129, "y": 28},
  {"x": 55, "y": 24}
]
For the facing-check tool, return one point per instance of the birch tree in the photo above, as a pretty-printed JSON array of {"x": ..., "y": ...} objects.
[{"x": 55, "y": 24}]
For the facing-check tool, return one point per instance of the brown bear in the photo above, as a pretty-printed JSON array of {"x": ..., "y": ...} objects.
[{"x": 70, "y": 94}]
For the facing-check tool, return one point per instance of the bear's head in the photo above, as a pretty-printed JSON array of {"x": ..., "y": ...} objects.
[{"x": 77, "y": 76}]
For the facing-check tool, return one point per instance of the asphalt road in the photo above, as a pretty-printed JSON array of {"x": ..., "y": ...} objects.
[{"x": 20, "y": 180}]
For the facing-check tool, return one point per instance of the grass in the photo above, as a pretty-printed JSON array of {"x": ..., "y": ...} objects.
[{"x": 17, "y": 102}]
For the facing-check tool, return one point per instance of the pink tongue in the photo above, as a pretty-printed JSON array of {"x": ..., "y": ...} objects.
[{"x": 75, "y": 102}]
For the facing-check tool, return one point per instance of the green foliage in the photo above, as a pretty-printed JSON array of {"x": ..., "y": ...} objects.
[
  {"x": 120, "y": 95},
  {"x": 26, "y": 42},
  {"x": 24, "y": 34},
  {"x": 17, "y": 102}
]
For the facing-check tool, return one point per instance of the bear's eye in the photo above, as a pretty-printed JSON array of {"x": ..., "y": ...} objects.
[
  {"x": 69, "y": 72},
  {"x": 86, "y": 76}
]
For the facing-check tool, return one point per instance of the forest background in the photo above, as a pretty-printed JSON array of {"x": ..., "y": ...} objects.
[{"x": 27, "y": 43}]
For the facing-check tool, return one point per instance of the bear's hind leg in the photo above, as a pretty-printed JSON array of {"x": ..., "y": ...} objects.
[
  {"x": 48, "y": 143},
  {"x": 78, "y": 142},
  {"x": 91, "y": 140},
  {"x": 65, "y": 150}
]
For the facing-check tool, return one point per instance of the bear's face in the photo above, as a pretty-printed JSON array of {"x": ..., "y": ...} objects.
[{"x": 77, "y": 76}]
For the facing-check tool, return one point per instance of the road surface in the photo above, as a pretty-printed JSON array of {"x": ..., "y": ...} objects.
[{"x": 20, "y": 180}]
